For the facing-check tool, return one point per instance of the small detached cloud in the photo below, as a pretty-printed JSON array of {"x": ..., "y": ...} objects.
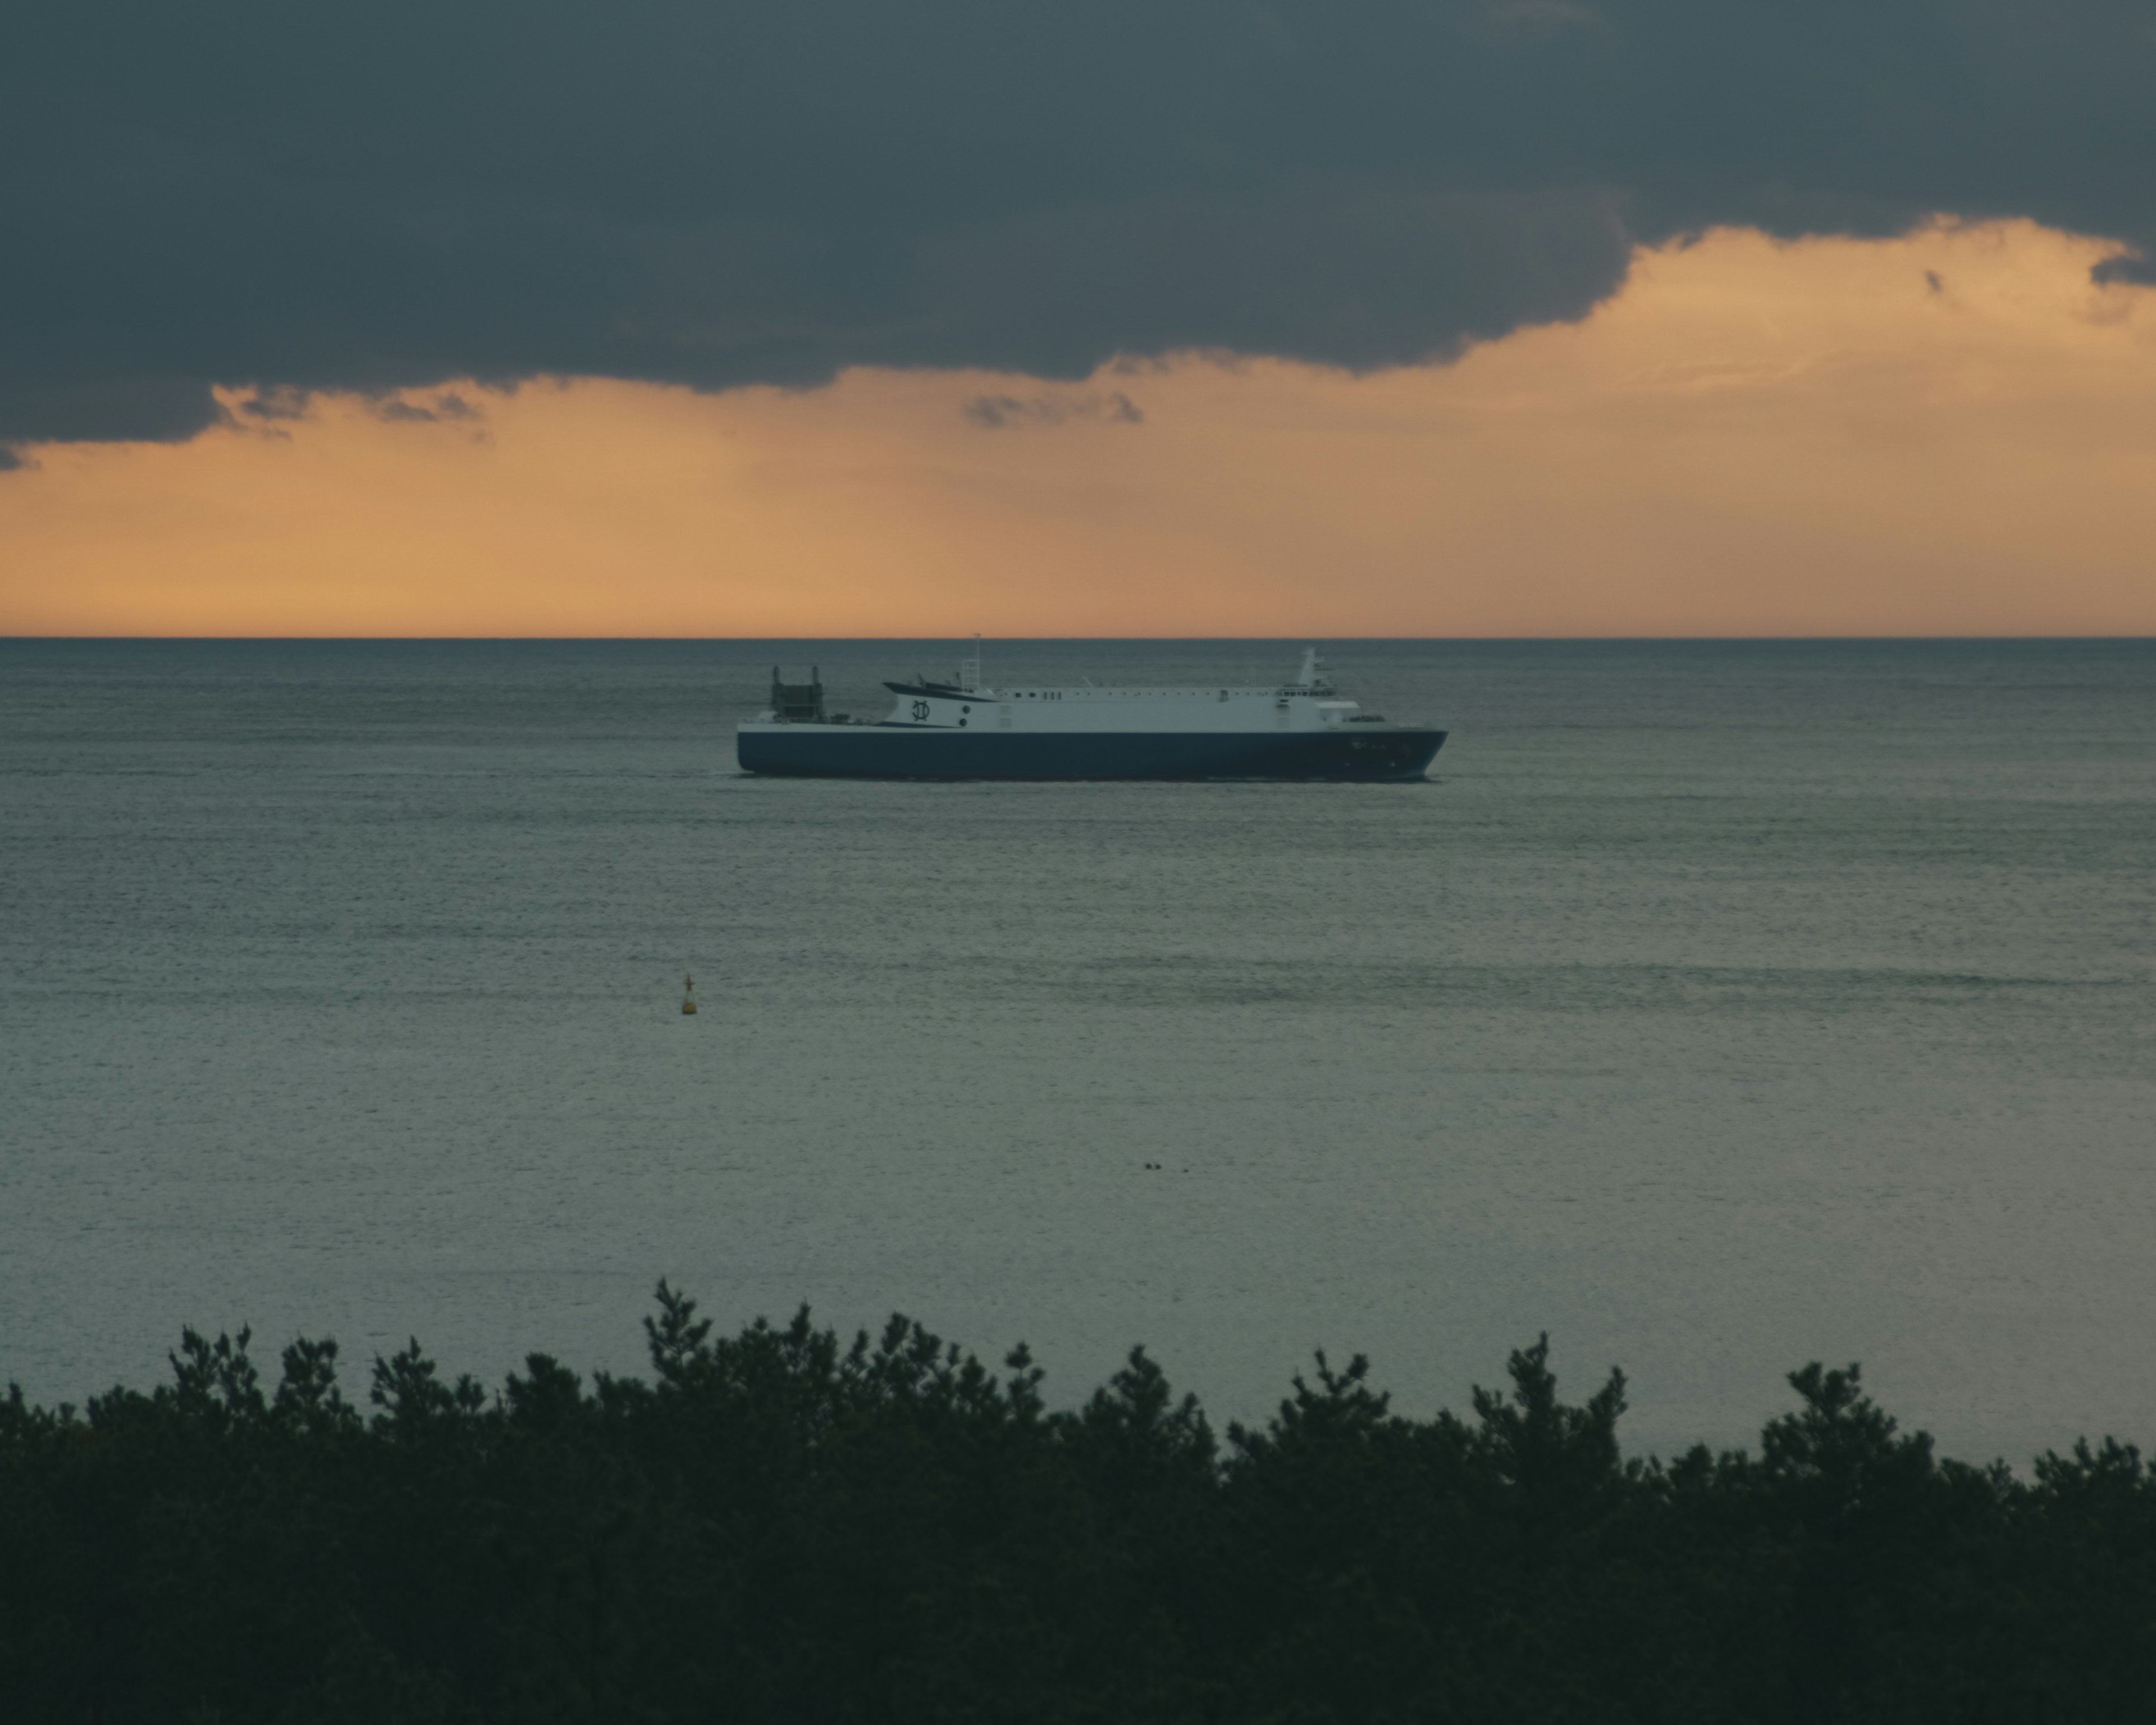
[
  {"x": 402, "y": 410},
  {"x": 273, "y": 402},
  {"x": 998, "y": 413}
]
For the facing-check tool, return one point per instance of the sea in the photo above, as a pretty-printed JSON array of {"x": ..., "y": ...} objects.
[{"x": 1715, "y": 1008}]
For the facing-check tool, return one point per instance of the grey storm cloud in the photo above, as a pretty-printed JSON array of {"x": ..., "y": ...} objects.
[{"x": 379, "y": 196}]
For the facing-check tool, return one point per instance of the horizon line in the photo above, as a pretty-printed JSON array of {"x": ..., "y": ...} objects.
[{"x": 7, "y": 639}]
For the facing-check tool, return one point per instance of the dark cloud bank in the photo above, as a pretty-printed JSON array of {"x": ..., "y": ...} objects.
[{"x": 372, "y": 196}]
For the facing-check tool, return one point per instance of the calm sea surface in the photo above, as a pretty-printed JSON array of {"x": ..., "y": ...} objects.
[{"x": 1717, "y": 1008}]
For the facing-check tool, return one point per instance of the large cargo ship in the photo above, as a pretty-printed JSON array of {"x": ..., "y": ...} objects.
[{"x": 965, "y": 729}]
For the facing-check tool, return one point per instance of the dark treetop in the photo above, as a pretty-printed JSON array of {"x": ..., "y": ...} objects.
[{"x": 779, "y": 1528}]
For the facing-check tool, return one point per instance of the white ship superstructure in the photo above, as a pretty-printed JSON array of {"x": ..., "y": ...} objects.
[{"x": 1309, "y": 703}]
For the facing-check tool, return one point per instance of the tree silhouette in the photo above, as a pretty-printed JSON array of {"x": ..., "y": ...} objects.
[{"x": 782, "y": 1526}]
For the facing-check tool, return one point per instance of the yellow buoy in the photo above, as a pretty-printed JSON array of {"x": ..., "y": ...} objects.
[{"x": 689, "y": 994}]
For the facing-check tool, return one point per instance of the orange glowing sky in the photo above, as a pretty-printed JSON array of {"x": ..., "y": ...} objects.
[{"x": 1953, "y": 432}]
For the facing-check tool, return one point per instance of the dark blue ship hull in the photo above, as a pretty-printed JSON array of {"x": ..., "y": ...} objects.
[{"x": 813, "y": 751}]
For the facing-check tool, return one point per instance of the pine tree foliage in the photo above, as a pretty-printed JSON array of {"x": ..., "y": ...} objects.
[{"x": 779, "y": 1526}]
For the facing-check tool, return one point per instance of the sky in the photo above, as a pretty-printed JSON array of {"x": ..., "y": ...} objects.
[{"x": 1512, "y": 317}]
